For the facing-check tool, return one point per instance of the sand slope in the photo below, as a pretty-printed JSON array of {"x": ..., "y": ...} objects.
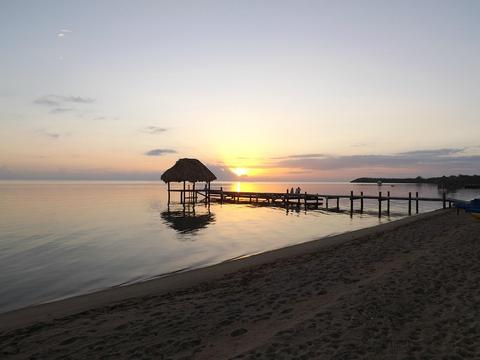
[{"x": 410, "y": 292}]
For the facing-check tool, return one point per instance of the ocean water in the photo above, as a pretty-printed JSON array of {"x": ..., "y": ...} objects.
[{"x": 60, "y": 239}]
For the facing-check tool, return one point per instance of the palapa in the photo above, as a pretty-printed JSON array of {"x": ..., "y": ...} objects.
[{"x": 191, "y": 170}]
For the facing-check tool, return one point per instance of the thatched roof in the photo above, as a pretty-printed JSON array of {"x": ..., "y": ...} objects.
[{"x": 188, "y": 170}]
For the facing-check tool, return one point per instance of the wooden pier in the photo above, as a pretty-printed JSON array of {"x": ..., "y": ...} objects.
[{"x": 326, "y": 201}]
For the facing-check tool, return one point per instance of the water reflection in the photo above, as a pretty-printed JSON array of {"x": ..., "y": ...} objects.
[{"x": 187, "y": 220}]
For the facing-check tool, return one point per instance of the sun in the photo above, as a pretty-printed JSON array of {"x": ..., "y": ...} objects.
[{"x": 240, "y": 171}]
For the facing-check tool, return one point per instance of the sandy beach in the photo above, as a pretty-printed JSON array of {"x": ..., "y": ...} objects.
[{"x": 406, "y": 289}]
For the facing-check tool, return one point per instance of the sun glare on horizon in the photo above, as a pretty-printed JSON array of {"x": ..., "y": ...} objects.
[{"x": 240, "y": 171}]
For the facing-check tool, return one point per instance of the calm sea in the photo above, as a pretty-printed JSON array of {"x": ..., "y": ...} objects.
[{"x": 66, "y": 238}]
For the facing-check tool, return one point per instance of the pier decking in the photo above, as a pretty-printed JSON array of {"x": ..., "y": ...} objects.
[{"x": 308, "y": 201}]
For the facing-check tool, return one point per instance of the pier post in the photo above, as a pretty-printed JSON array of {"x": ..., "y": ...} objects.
[
  {"x": 444, "y": 200},
  {"x": 338, "y": 203},
  {"x": 305, "y": 201},
  {"x": 194, "y": 194},
  {"x": 379, "y": 204},
  {"x": 168, "y": 187},
  {"x": 351, "y": 202},
  {"x": 221, "y": 195},
  {"x": 326, "y": 202},
  {"x": 416, "y": 202},
  {"x": 316, "y": 203},
  {"x": 409, "y": 203},
  {"x": 298, "y": 199},
  {"x": 361, "y": 202},
  {"x": 388, "y": 203},
  {"x": 208, "y": 191},
  {"x": 183, "y": 194}
]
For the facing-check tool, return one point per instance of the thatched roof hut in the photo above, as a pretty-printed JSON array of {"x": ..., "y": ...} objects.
[{"x": 191, "y": 170}]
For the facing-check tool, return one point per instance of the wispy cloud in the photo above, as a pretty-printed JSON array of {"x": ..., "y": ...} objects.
[
  {"x": 63, "y": 33},
  {"x": 448, "y": 158},
  {"x": 49, "y": 134},
  {"x": 159, "y": 152},
  {"x": 153, "y": 130},
  {"x": 299, "y": 156},
  {"x": 59, "y": 110},
  {"x": 433, "y": 153},
  {"x": 58, "y": 100}
]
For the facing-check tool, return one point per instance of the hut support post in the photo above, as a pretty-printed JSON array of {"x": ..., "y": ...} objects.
[
  {"x": 361, "y": 202},
  {"x": 305, "y": 201},
  {"x": 221, "y": 195},
  {"x": 444, "y": 200},
  {"x": 338, "y": 203},
  {"x": 183, "y": 193},
  {"x": 208, "y": 191},
  {"x": 194, "y": 193},
  {"x": 168, "y": 187},
  {"x": 326, "y": 202}
]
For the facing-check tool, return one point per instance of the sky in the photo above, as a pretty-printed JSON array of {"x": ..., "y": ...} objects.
[{"x": 257, "y": 90}]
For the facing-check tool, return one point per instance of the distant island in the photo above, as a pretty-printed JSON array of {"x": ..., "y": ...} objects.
[{"x": 447, "y": 182}]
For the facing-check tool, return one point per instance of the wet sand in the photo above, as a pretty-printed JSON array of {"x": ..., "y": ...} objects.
[{"x": 407, "y": 289}]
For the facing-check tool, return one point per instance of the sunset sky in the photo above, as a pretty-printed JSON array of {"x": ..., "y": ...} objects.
[{"x": 271, "y": 90}]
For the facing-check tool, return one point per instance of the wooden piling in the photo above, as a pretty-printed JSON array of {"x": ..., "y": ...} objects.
[
  {"x": 221, "y": 195},
  {"x": 409, "y": 203},
  {"x": 168, "y": 187},
  {"x": 388, "y": 203},
  {"x": 338, "y": 203},
  {"x": 361, "y": 202},
  {"x": 316, "y": 203},
  {"x": 444, "y": 200},
  {"x": 351, "y": 202},
  {"x": 326, "y": 202},
  {"x": 379, "y": 204},
  {"x": 416, "y": 202},
  {"x": 208, "y": 189}
]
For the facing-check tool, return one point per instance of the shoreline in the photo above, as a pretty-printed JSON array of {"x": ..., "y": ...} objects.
[
  {"x": 73, "y": 305},
  {"x": 402, "y": 290}
]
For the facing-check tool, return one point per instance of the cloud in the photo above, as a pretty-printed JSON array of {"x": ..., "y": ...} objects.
[
  {"x": 153, "y": 130},
  {"x": 300, "y": 156},
  {"x": 46, "y": 100},
  {"x": 60, "y": 110},
  {"x": 63, "y": 33},
  {"x": 159, "y": 152},
  {"x": 433, "y": 153},
  {"x": 49, "y": 134},
  {"x": 58, "y": 100},
  {"x": 439, "y": 160}
]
